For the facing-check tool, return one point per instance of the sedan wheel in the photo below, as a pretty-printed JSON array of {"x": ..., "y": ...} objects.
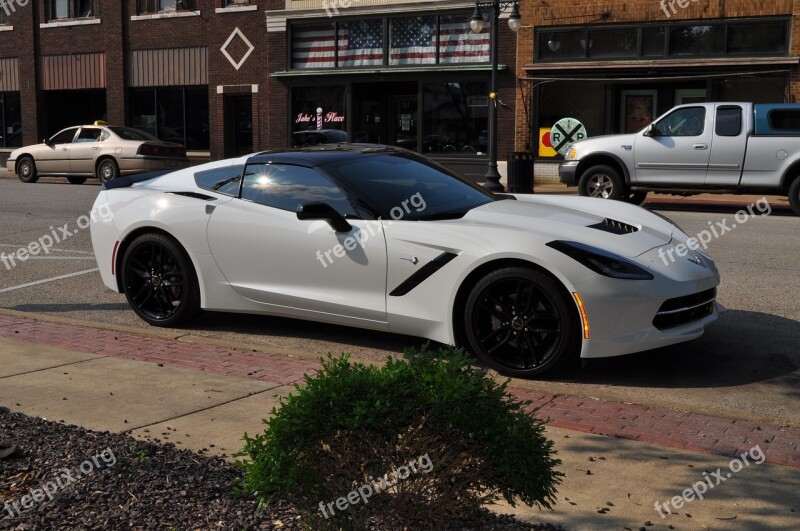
[
  {"x": 520, "y": 323},
  {"x": 107, "y": 170},
  {"x": 601, "y": 181},
  {"x": 159, "y": 281},
  {"x": 26, "y": 170}
]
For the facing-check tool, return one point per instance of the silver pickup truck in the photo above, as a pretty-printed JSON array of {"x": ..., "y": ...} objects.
[{"x": 694, "y": 148}]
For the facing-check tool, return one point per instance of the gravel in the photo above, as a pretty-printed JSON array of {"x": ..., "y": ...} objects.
[{"x": 72, "y": 478}]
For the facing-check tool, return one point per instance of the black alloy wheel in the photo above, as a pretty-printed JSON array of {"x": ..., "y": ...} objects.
[
  {"x": 159, "y": 281},
  {"x": 520, "y": 322}
]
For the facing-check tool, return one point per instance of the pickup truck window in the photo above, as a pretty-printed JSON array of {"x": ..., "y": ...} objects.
[
  {"x": 784, "y": 119},
  {"x": 729, "y": 121},
  {"x": 688, "y": 121}
]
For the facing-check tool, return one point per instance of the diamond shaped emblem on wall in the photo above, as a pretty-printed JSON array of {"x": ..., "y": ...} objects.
[{"x": 237, "y": 48}]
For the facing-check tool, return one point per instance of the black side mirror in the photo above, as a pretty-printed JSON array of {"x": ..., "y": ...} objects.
[
  {"x": 651, "y": 130},
  {"x": 47, "y": 142},
  {"x": 324, "y": 212}
]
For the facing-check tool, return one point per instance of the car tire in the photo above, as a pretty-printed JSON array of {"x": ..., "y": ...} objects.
[
  {"x": 107, "y": 170},
  {"x": 26, "y": 170},
  {"x": 601, "y": 181},
  {"x": 76, "y": 180},
  {"x": 521, "y": 322},
  {"x": 635, "y": 198},
  {"x": 794, "y": 196},
  {"x": 159, "y": 281}
]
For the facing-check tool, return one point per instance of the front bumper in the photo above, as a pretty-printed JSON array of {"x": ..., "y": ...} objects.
[
  {"x": 11, "y": 165},
  {"x": 631, "y": 316},
  {"x": 567, "y": 172}
]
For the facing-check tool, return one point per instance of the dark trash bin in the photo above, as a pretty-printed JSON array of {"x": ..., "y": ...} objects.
[{"x": 520, "y": 172}]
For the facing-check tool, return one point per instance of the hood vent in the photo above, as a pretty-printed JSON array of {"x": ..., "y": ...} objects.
[{"x": 614, "y": 227}]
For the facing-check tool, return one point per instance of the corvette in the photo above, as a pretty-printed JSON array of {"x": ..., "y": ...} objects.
[{"x": 381, "y": 238}]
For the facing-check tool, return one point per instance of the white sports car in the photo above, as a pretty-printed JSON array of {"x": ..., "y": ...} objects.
[{"x": 381, "y": 238}]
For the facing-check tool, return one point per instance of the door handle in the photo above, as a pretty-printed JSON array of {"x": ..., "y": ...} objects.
[
  {"x": 700, "y": 146},
  {"x": 95, "y": 148}
]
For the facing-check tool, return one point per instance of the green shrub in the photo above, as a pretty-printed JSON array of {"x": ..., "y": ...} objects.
[{"x": 351, "y": 423}]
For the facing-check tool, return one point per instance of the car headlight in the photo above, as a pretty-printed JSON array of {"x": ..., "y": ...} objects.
[{"x": 601, "y": 262}]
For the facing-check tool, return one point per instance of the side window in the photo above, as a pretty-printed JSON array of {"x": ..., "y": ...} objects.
[
  {"x": 286, "y": 187},
  {"x": 784, "y": 120},
  {"x": 689, "y": 121},
  {"x": 64, "y": 137},
  {"x": 221, "y": 180},
  {"x": 729, "y": 121},
  {"x": 88, "y": 134},
  {"x": 105, "y": 136}
]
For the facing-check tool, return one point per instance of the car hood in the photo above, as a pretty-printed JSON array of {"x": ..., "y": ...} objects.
[{"x": 625, "y": 229}]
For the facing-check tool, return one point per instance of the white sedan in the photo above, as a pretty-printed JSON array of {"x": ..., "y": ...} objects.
[{"x": 381, "y": 238}]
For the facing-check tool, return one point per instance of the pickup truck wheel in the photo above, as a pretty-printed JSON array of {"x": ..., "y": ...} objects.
[
  {"x": 794, "y": 196},
  {"x": 635, "y": 198},
  {"x": 601, "y": 181}
]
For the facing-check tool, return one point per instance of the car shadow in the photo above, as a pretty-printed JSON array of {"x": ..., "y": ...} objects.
[{"x": 743, "y": 347}]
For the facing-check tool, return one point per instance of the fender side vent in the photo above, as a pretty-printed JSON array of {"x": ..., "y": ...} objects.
[{"x": 614, "y": 227}]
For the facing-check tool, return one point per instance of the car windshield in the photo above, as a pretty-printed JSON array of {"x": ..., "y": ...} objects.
[
  {"x": 409, "y": 187},
  {"x": 127, "y": 133}
]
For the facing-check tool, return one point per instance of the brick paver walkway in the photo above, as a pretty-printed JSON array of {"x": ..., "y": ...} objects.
[{"x": 654, "y": 425}]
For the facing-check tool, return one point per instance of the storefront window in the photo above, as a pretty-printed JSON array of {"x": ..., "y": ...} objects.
[
  {"x": 653, "y": 42},
  {"x": 458, "y": 43},
  {"x": 757, "y": 38},
  {"x": 697, "y": 40},
  {"x": 173, "y": 114},
  {"x": 412, "y": 41},
  {"x": 313, "y": 46},
  {"x": 582, "y": 101},
  {"x": 611, "y": 43},
  {"x": 455, "y": 118},
  {"x": 561, "y": 45},
  {"x": 331, "y": 102},
  {"x": 361, "y": 43},
  {"x": 718, "y": 37},
  {"x": 761, "y": 89},
  {"x": 11, "y": 119}
]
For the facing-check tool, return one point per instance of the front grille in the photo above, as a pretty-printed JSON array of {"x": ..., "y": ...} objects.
[
  {"x": 614, "y": 227},
  {"x": 684, "y": 310}
]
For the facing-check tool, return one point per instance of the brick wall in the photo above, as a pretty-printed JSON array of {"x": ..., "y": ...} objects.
[{"x": 539, "y": 13}]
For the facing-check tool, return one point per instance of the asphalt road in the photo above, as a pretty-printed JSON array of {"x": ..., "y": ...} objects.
[{"x": 747, "y": 366}]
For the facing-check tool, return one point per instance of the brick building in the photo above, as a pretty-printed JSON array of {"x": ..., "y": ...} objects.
[
  {"x": 616, "y": 65},
  {"x": 227, "y": 77}
]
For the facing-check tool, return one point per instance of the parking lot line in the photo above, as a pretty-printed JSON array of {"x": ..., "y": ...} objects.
[{"x": 46, "y": 280}]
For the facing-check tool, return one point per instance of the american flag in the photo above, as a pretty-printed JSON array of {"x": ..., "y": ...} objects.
[
  {"x": 413, "y": 41},
  {"x": 313, "y": 46},
  {"x": 459, "y": 44},
  {"x": 361, "y": 43}
]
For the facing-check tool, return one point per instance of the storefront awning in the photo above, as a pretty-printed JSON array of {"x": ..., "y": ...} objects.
[
  {"x": 663, "y": 69},
  {"x": 386, "y": 70}
]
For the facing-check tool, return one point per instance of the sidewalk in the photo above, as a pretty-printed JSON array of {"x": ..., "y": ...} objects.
[{"x": 205, "y": 396}]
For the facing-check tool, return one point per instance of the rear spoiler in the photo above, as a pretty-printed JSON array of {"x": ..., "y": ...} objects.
[{"x": 130, "y": 180}]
